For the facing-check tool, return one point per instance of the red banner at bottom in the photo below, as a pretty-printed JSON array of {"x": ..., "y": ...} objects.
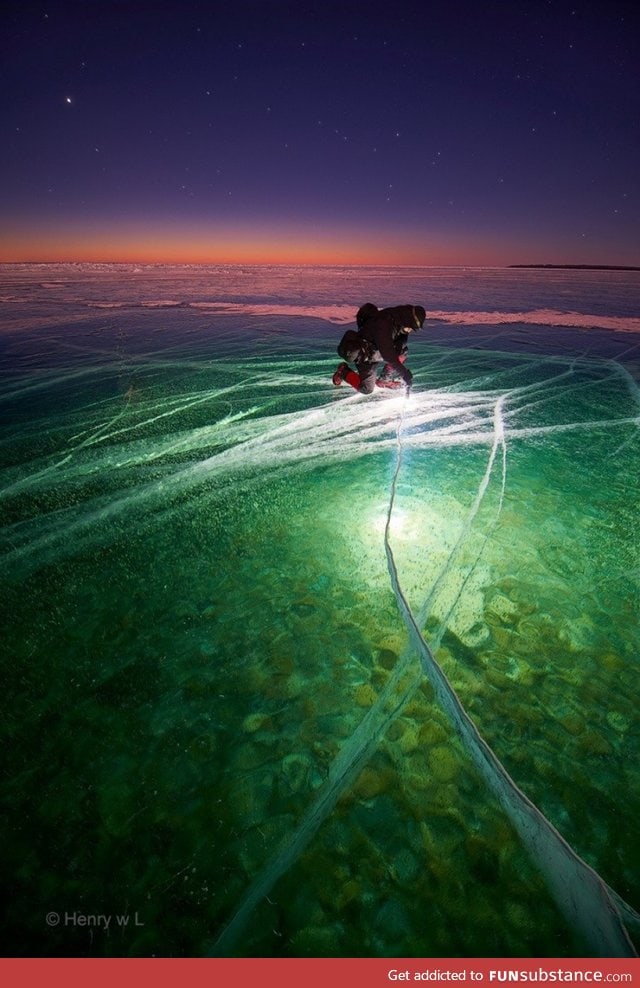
[{"x": 315, "y": 972}]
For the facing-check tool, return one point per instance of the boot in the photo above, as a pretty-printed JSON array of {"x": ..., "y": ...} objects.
[
  {"x": 353, "y": 379},
  {"x": 340, "y": 374}
]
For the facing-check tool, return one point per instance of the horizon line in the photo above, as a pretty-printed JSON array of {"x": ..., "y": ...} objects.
[{"x": 325, "y": 264}]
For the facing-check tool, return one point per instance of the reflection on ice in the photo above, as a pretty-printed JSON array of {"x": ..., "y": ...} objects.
[
  {"x": 209, "y": 553},
  {"x": 134, "y": 434}
]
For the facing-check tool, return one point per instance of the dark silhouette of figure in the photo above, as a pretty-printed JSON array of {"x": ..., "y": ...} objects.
[{"x": 381, "y": 338}]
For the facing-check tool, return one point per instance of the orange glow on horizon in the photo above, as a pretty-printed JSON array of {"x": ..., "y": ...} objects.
[
  {"x": 150, "y": 243},
  {"x": 166, "y": 252}
]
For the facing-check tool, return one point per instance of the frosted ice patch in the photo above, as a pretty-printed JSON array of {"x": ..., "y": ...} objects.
[
  {"x": 332, "y": 313},
  {"x": 540, "y": 317}
]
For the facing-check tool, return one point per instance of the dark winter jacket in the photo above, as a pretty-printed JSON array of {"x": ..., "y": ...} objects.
[{"x": 385, "y": 330}]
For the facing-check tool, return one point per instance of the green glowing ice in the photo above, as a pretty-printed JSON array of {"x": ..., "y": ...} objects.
[{"x": 202, "y": 632}]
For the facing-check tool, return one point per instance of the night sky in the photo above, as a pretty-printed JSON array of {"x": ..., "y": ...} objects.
[{"x": 318, "y": 132}]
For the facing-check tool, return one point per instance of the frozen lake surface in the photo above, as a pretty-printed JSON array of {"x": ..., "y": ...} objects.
[{"x": 219, "y": 719}]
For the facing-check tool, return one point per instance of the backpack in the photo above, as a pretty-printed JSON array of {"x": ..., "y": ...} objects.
[
  {"x": 351, "y": 346},
  {"x": 365, "y": 312}
]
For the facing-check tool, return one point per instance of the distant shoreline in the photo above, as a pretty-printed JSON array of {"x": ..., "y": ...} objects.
[
  {"x": 292, "y": 264},
  {"x": 581, "y": 267}
]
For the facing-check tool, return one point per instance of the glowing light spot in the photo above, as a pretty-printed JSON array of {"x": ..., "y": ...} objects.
[{"x": 399, "y": 521}]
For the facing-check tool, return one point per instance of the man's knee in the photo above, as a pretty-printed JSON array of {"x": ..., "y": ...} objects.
[{"x": 367, "y": 379}]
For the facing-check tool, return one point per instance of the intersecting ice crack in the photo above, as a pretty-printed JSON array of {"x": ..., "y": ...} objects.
[{"x": 588, "y": 904}]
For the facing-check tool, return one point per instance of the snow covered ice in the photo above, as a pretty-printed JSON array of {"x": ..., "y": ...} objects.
[{"x": 214, "y": 705}]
